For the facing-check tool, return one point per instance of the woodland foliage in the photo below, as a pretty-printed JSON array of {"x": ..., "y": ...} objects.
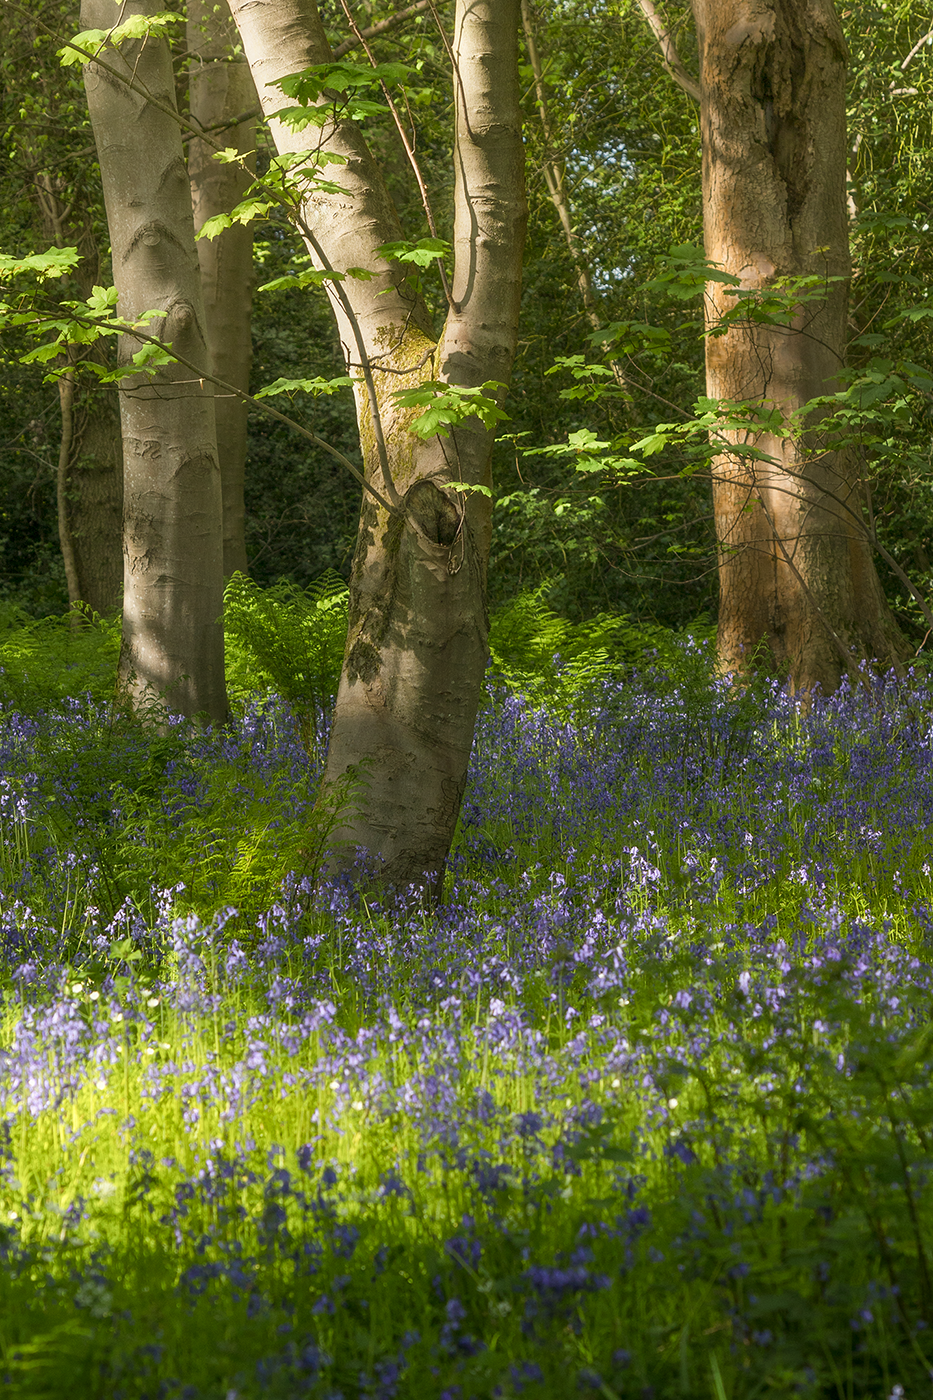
[{"x": 603, "y": 536}]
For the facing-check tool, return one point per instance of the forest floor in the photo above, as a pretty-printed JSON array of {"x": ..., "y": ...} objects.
[{"x": 642, "y": 1111}]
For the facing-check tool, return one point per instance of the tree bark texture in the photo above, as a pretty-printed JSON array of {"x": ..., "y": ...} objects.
[
  {"x": 172, "y": 644},
  {"x": 94, "y": 498},
  {"x": 221, "y": 91},
  {"x": 417, "y": 641},
  {"x": 798, "y": 586}
]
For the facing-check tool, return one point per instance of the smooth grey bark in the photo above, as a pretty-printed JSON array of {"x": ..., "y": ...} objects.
[
  {"x": 417, "y": 642},
  {"x": 222, "y": 102},
  {"x": 172, "y": 642},
  {"x": 798, "y": 585}
]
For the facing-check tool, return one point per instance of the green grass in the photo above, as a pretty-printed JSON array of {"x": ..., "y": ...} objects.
[{"x": 645, "y": 1108}]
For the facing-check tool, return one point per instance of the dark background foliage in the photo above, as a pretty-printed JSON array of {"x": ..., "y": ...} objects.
[{"x": 630, "y": 144}]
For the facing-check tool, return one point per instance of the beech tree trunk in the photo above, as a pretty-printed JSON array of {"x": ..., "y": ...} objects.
[
  {"x": 221, "y": 94},
  {"x": 172, "y": 645},
  {"x": 417, "y": 642},
  {"x": 798, "y": 586}
]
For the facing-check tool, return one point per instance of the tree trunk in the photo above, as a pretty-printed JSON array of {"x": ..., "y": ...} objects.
[
  {"x": 172, "y": 644},
  {"x": 94, "y": 499},
  {"x": 66, "y": 399},
  {"x": 221, "y": 90},
  {"x": 798, "y": 586},
  {"x": 417, "y": 642},
  {"x": 89, "y": 486}
]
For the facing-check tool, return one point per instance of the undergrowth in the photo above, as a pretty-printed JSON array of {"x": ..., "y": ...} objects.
[{"x": 642, "y": 1110}]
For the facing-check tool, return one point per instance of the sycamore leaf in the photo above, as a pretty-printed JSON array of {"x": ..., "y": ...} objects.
[
  {"x": 306, "y": 386},
  {"x": 446, "y": 405},
  {"x": 583, "y": 440},
  {"x": 152, "y": 356},
  {"x": 324, "y": 79},
  {"x": 305, "y": 161},
  {"x": 422, "y": 253},
  {"x": 354, "y": 109},
  {"x": 311, "y": 277},
  {"x": 466, "y": 486},
  {"x": 632, "y": 337},
  {"x": 43, "y": 353},
  {"x": 212, "y": 227},
  {"x": 656, "y": 441},
  {"x": 103, "y": 298},
  {"x": 54, "y": 263},
  {"x": 579, "y": 368},
  {"x": 243, "y": 213},
  {"x": 228, "y": 156},
  {"x": 91, "y": 41},
  {"x": 687, "y": 273}
]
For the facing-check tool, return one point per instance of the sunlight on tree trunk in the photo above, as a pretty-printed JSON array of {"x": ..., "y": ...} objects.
[
  {"x": 417, "y": 642},
  {"x": 797, "y": 581},
  {"x": 172, "y": 642}
]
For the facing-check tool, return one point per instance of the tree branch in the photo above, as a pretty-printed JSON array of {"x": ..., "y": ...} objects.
[
  {"x": 382, "y": 27},
  {"x": 207, "y": 377},
  {"x": 670, "y": 57},
  {"x": 557, "y": 188}
]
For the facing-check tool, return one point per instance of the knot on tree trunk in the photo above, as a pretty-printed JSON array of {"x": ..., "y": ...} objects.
[{"x": 435, "y": 514}]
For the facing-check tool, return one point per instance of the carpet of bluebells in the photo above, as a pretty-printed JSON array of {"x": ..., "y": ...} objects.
[{"x": 643, "y": 1110}]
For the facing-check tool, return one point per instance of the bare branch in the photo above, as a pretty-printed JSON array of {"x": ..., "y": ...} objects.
[
  {"x": 671, "y": 59},
  {"x": 916, "y": 49}
]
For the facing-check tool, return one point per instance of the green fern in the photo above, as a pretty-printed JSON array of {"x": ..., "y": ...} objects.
[
  {"x": 45, "y": 661},
  {"x": 551, "y": 659},
  {"x": 286, "y": 639}
]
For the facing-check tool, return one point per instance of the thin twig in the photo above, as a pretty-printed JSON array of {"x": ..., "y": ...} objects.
[{"x": 383, "y": 27}]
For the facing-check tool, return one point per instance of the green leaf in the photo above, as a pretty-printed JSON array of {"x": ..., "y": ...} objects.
[
  {"x": 151, "y": 356},
  {"x": 91, "y": 41},
  {"x": 422, "y": 253},
  {"x": 657, "y": 441},
  {"x": 324, "y": 79},
  {"x": 446, "y": 405},
  {"x": 355, "y": 109},
  {"x": 583, "y": 440},
  {"x": 306, "y": 162},
  {"x": 306, "y": 386},
  {"x": 213, "y": 226},
  {"x": 103, "y": 299},
  {"x": 687, "y": 273},
  {"x": 311, "y": 277},
  {"x": 54, "y": 263},
  {"x": 466, "y": 486},
  {"x": 242, "y": 213}
]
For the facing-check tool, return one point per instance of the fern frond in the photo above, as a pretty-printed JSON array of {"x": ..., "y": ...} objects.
[{"x": 287, "y": 639}]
